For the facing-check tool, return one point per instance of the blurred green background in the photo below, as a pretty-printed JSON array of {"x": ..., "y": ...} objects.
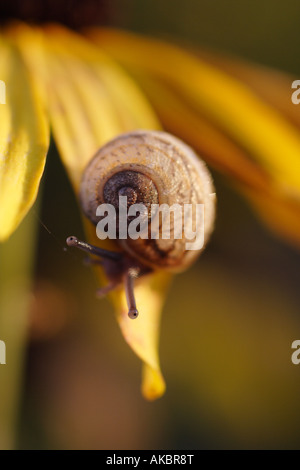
[{"x": 228, "y": 323}]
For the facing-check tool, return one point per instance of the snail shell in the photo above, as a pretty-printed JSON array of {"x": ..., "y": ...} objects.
[{"x": 150, "y": 167}]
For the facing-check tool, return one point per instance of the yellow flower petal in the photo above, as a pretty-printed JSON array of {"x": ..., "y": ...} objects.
[
  {"x": 96, "y": 98},
  {"x": 91, "y": 100},
  {"x": 142, "y": 333},
  {"x": 148, "y": 295},
  {"x": 280, "y": 210},
  {"x": 271, "y": 85},
  {"x": 235, "y": 115},
  {"x": 254, "y": 124},
  {"x": 24, "y": 140},
  {"x": 212, "y": 144},
  {"x": 281, "y": 214}
]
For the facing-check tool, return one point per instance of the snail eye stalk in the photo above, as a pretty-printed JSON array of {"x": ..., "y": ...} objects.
[
  {"x": 129, "y": 291},
  {"x": 93, "y": 250},
  {"x": 129, "y": 277}
]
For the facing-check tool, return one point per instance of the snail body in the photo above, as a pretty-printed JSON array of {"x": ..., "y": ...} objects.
[{"x": 151, "y": 168}]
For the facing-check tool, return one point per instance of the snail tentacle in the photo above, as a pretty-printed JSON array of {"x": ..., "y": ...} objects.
[
  {"x": 93, "y": 250},
  {"x": 131, "y": 273},
  {"x": 129, "y": 291}
]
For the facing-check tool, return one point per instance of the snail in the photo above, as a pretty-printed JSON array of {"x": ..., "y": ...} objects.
[{"x": 148, "y": 170}]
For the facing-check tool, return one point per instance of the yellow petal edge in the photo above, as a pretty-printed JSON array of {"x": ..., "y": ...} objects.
[{"x": 24, "y": 140}]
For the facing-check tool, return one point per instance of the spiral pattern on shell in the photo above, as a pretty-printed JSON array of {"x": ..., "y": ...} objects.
[{"x": 150, "y": 167}]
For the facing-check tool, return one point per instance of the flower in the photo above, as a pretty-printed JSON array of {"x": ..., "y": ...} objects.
[{"x": 89, "y": 88}]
